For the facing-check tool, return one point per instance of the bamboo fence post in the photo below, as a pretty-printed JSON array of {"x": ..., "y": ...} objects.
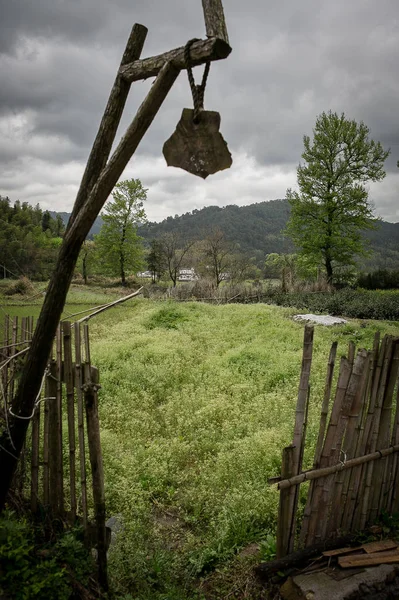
[
  {"x": 68, "y": 378},
  {"x": 353, "y": 436},
  {"x": 335, "y": 499},
  {"x": 320, "y": 439},
  {"x": 58, "y": 376},
  {"x": 12, "y": 351},
  {"x": 367, "y": 512},
  {"x": 384, "y": 433},
  {"x": 285, "y": 509},
  {"x": 90, "y": 389},
  {"x": 81, "y": 438},
  {"x": 300, "y": 425},
  {"x": 46, "y": 474},
  {"x": 394, "y": 492},
  {"x": 34, "y": 490},
  {"x": 368, "y": 411},
  {"x": 320, "y": 491},
  {"x": 351, "y": 352},
  {"x": 56, "y": 490}
]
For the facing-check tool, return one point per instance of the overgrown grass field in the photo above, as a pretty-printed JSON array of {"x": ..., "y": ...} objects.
[{"x": 197, "y": 402}]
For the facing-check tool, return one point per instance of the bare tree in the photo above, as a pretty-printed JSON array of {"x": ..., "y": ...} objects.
[
  {"x": 217, "y": 253},
  {"x": 174, "y": 249}
]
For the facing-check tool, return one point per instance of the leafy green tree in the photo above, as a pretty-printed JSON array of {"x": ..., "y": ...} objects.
[
  {"x": 332, "y": 207},
  {"x": 119, "y": 246}
]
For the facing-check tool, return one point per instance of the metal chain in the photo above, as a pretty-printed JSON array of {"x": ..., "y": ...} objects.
[{"x": 197, "y": 91}]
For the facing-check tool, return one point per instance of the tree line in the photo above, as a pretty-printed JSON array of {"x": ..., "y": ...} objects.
[{"x": 319, "y": 230}]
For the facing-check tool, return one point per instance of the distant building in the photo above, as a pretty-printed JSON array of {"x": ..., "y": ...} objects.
[
  {"x": 145, "y": 274},
  {"x": 187, "y": 275}
]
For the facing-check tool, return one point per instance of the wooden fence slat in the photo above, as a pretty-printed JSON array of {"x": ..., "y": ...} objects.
[
  {"x": 81, "y": 436},
  {"x": 353, "y": 437},
  {"x": 55, "y": 456},
  {"x": 69, "y": 385},
  {"x": 46, "y": 471},
  {"x": 90, "y": 388},
  {"x": 285, "y": 506},
  {"x": 368, "y": 511},
  {"x": 380, "y": 476},
  {"x": 320, "y": 439},
  {"x": 319, "y": 502},
  {"x": 34, "y": 490},
  {"x": 335, "y": 499}
]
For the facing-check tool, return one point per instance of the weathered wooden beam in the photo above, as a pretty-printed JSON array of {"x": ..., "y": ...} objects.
[
  {"x": 214, "y": 19},
  {"x": 201, "y": 52},
  {"x": 123, "y": 153},
  {"x": 54, "y": 301},
  {"x": 342, "y": 466},
  {"x": 110, "y": 121}
]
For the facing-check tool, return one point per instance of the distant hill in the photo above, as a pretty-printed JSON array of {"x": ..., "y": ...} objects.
[
  {"x": 65, "y": 217},
  {"x": 258, "y": 230}
]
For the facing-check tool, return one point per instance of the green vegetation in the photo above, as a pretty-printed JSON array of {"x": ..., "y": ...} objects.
[
  {"x": 359, "y": 304},
  {"x": 196, "y": 404},
  {"x": 118, "y": 246},
  {"x": 332, "y": 208},
  {"x": 33, "y": 567},
  {"x": 29, "y": 240}
]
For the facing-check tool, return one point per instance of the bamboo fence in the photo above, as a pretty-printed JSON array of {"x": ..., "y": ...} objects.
[
  {"x": 354, "y": 478},
  {"x": 64, "y": 442}
]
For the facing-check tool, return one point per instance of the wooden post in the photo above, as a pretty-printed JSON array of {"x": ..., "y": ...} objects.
[
  {"x": 110, "y": 121},
  {"x": 214, "y": 19},
  {"x": 284, "y": 520},
  {"x": 58, "y": 377},
  {"x": 90, "y": 388},
  {"x": 46, "y": 472},
  {"x": 56, "y": 491},
  {"x": 300, "y": 428},
  {"x": 81, "y": 438},
  {"x": 34, "y": 486},
  {"x": 320, "y": 439},
  {"x": 68, "y": 378}
]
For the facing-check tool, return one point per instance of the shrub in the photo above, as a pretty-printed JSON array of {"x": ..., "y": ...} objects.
[
  {"x": 32, "y": 569},
  {"x": 22, "y": 286}
]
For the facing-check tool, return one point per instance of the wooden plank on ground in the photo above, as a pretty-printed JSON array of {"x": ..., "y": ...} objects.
[
  {"x": 369, "y": 560},
  {"x": 381, "y": 546},
  {"x": 342, "y": 551}
]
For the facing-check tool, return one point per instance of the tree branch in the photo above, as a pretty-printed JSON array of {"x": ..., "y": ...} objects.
[{"x": 200, "y": 52}]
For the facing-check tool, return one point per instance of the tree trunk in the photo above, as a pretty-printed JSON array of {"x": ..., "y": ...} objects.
[
  {"x": 84, "y": 268},
  {"x": 329, "y": 270}
]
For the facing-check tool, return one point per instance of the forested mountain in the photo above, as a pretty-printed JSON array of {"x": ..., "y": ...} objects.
[
  {"x": 29, "y": 239},
  {"x": 258, "y": 230},
  {"x": 65, "y": 218}
]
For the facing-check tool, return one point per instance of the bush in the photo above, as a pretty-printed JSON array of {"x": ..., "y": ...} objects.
[
  {"x": 30, "y": 568},
  {"x": 22, "y": 286},
  {"x": 381, "y": 279},
  {"x": 357, "y": 304}
]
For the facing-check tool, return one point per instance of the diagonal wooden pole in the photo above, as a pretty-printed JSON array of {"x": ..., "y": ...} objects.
[
  {"x": 109, "y": 123},
  {"x": 98, "y": 181}
]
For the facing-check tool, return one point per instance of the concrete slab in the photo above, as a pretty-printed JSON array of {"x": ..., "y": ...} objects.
[{"x": 320, "y": 586}]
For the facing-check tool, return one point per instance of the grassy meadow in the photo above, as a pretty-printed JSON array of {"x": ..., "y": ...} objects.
[{"x": 197, "y": 402}]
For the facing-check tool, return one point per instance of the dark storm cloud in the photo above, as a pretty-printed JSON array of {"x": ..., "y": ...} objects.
[{"x": 290, "y": 62}]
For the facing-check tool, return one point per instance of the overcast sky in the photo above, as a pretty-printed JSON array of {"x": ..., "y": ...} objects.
[{"x": 291, "y": 60}]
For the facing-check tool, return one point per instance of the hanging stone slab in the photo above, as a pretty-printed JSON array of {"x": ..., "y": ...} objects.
[{"x": 198, "y": 148}]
